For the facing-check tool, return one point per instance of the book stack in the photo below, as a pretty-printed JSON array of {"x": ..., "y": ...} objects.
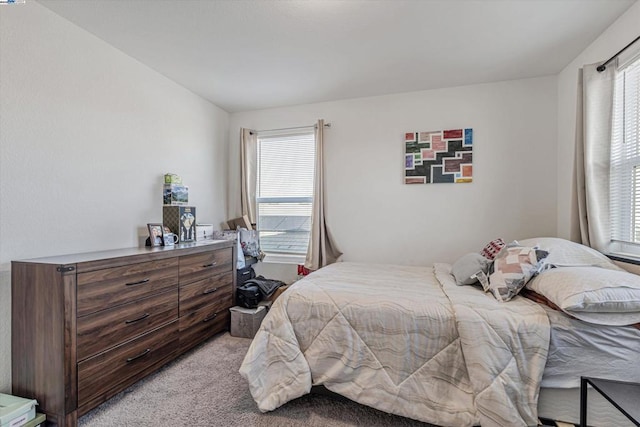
[{"x": 17, "y": 411}]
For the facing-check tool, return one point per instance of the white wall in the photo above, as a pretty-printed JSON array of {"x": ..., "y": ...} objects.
[
  {"x": 618, "y": 35},
  {"x": 86, "y": 133},
  {"x": 375, "y": 217}
]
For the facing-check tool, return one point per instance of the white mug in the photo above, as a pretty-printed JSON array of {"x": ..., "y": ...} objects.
[{"x": 170, "y": 239}]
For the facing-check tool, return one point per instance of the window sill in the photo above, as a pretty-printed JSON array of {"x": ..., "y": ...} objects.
[
  {"x": 275, "y": 258},
  {"x": 628, "y": 258}
]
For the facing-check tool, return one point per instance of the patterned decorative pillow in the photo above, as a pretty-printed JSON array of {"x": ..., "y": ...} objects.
[
  {"x": 512, "y": 268},
  {"x": 492, "y": 248}
]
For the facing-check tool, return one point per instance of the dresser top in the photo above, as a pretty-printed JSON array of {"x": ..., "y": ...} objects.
[{"x": 155, "y": 252}]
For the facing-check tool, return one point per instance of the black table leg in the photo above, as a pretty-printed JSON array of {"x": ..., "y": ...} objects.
[{"x": 583, "y": 402}]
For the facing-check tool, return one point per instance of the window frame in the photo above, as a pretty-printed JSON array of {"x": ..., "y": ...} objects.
[
  {"x": 624, "y": 214},
  {"x": 283, "y": 257}
]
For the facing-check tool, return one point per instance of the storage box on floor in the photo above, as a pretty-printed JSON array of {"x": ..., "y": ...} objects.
[
  {"x": 16, "y": 411},
  {"x": 245, "y": 322}
]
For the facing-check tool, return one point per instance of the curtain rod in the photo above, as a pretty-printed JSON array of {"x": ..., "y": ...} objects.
[
  {"x": 327, "y": 125},
  {"x": 603, "y": 67}
]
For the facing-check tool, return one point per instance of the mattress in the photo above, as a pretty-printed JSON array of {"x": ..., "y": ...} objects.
[{"x": 577, "y": 348}]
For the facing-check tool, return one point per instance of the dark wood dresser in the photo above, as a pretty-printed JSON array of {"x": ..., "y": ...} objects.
[{"x": 86, "y": 326}]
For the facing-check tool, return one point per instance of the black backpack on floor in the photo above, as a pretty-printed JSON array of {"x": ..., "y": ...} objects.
[
  {"x": 248, "y": 295},
  {"x": 266, "y": 286}
]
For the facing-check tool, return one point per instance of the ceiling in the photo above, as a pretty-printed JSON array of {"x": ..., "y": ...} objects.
[{"x": 253, "y": 54}]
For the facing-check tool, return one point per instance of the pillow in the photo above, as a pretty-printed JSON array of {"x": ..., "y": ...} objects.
[
  {"x": 465, "y": 269},
  {"x": 593, "y": 294},
  {"x": 564, "y": 253},
  {"x": 492, "y": 248},
  {"x": 513, "y": 267}
]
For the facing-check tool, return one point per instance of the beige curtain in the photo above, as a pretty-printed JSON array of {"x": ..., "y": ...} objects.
[
  {"x": 249, "y": 171},
  {"x": 593, "y": 149},
  {"x": 322, "y": 250}
]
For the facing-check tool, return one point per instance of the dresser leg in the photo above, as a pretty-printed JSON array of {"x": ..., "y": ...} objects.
[{"x": 69, "y": 420}]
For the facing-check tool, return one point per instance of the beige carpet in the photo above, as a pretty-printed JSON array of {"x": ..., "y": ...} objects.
[{"x": 203, "y": 388}]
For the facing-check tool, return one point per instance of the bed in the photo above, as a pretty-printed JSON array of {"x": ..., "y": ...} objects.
[{"x": 411, "y": 341}]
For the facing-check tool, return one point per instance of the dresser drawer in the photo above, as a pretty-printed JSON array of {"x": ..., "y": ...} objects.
[
  {"x": 102, "y": 289},
  {"x": 204, "y": 292},
  {"x": 100, "y": 331},
  {"x": 206, "y": 314},
  {"x": 202, "y": 324},
  {"x": 101, "y": 376},
  {"x": 201, "y": 266}
]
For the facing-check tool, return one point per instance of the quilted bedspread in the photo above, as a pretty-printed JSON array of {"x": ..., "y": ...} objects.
[{"x": 405, "y": 340}]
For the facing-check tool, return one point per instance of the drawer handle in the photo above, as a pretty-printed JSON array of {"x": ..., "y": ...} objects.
[
  {"x": 213, "y": 316},
  {"x": 144, "y": 316},
  {"x": 138, "y": 282},
  {"x": 144, "y": 353},
  {"x": 213, "y": 264},
  {"x": 209, "y": 291}
]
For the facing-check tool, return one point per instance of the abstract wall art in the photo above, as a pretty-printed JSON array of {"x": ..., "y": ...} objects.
[{"x": 438, "y": 156}]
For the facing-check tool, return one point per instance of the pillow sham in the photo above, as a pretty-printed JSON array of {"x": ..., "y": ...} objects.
[
  {"x": 564, "y": 253},
  {"x": 593, "y": 294},
  {"x": 512, "y": 268},
  {"x": 492, "y": 248},
  {"x": 464, "y": 270}
]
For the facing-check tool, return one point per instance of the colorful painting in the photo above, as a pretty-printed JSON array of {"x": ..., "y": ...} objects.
[{"x": 438, "y": 156}]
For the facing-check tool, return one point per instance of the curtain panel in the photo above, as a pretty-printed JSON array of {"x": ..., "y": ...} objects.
[
  {"x": 322, "y": 249},
  {"x": 249, "y": 172},
  {"x": 593, "y": 154}
]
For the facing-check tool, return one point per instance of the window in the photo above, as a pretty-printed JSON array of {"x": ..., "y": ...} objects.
[
  {"x": 625, "y": 162},
  {"x": 284, "y": 190}
]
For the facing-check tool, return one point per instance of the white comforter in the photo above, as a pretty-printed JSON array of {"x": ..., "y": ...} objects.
[{"x": 405, "y": 340}]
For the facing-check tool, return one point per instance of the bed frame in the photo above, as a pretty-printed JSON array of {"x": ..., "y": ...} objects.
[{"x": 563, "y": 404}]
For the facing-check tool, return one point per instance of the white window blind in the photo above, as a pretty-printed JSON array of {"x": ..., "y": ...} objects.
[
  {"x": 625, "y": 162},
  {"x": 284, "y": 192}
]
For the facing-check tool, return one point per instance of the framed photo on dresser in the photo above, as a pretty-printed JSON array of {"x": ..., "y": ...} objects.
[{"x": 155, "y": 234}]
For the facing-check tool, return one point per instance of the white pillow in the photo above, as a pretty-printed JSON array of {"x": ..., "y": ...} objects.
[
  {"x": 564, "y": 253},
  {"x": 593, "y": 294}
]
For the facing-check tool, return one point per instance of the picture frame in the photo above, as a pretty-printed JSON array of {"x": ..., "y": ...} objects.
[
  {"x": 440, "y": 156},
  {"x": 156, "y": 231}
]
